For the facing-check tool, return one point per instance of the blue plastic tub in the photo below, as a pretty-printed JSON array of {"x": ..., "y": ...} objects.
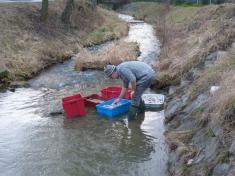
[{"x": 118, "y": 110}]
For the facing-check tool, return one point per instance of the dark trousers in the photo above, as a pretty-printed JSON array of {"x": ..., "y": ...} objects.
[{"x": 140, "y": 88}]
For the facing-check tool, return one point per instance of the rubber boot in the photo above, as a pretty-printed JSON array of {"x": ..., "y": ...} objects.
[
  {"x": 142, "y": 107},
  {"x": 132, "y": 113}
]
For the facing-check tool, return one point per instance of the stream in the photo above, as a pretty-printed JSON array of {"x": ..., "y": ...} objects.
[
  {"x": 20, "y": 1},
  {"x": 36, "y": 141}
]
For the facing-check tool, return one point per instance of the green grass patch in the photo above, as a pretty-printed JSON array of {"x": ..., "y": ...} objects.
[
  {"x": 210, "y": 133},
  {"x": 198, "y": 111},
  {"x": 233, "y": 103},
  {"x": 98, "y": 36},
  {"x": 208, "y": 169},
  {"x": 191, "y": 5},
  {"x": 182, "y": 14},
  {"x": 111, "y": 28},
  {"x": 224, "y": 157},
  {"x": 185, "y": 169}
]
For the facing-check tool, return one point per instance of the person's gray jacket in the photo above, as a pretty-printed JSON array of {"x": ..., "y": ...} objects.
[{"x": 135, "y": 71}]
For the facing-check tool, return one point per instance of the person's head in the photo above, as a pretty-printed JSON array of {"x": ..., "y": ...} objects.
[{"x": 110, "y": 71}]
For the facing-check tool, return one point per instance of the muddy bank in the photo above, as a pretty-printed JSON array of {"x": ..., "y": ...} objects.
[
  {"x": 29, "y": 46},
  {"x": 197, "y": 66}
]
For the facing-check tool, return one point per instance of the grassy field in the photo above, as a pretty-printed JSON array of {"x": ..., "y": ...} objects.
[{"x": 29, "y": 45}]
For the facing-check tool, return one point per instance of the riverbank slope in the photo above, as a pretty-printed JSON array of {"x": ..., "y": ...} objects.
[
  {"x": 29, "y": 45},
  {"x": 197, "y": 66}
]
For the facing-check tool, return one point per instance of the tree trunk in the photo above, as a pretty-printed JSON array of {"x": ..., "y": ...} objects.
[
  {"x": 94, "y": 4},
  {"x": 67, "y": 11},
  {"x": 165, "y": 29},
  {"x": 44, "y": 10}
]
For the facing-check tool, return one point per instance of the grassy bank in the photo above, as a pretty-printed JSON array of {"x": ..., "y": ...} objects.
[
  {"x": 115, "y": 54},
  {"x": 197, "y": 53},
  {"x": 28, "y": 45},
  {"x": 188, "y": 34}
]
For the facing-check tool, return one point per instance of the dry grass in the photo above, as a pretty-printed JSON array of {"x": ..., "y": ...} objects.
[
  {"x": 147, "y": 11},
  {"x": 180, "y": 136},
  {"x": 178, "y": 141},
  {"x": 222, "y": 104},
  {"x": 214, "y": 75},
  {"x": 112, "y": 28},
  {"x": 220, "y": 108},
  {"x": 28, "y": 45},
  {"x": 187, "y": 34},
  {"x": 189, "y": 44},
  {"x": 115, "y": 54}
]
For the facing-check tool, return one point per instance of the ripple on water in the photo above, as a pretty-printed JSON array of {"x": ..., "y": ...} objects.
[
  {"x": 34, "y": 143},
  {"x": 86, "y": 146},
  {"x": 144, "y": 35}
]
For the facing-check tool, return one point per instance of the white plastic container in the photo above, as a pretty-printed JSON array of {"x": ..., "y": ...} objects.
[{"x": 153, "y": 101}]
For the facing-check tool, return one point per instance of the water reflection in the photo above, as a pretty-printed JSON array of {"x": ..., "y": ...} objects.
[
  {"x": 33, "y": 142},
  {"x": 136, "y": 144},
  {"x": 114, "y": 147}
]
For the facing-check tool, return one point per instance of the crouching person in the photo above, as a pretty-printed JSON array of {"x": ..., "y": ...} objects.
[{"x": 140, "y": 75}]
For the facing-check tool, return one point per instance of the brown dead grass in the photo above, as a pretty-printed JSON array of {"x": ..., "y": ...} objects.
[
  {"x": 190, "y": 40},
  {"x": 187, "y": 34},
  {"x": 27, "y": 45},
  {"x": 179, "y": 136},
  {"x": 215, "y": 74},
  {"x": 222, "y": 104},
  {"x": 220, "y": 108},
  {"x": 115, "y": 54},
  {"x": 178, "y": 142}
]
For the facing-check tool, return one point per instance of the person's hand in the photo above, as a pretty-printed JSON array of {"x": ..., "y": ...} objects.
[
  {"x": 116, "y": 101},
  {"x": 132, "y": 93}
]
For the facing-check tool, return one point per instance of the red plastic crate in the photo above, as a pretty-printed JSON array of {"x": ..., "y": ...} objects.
[
  {"x": 74, "y": 106},
  {"x": 92, "y": 100},
  {"x": 113, "y": 92}
]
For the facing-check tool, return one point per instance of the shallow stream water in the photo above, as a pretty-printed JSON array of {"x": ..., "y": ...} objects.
[
  {"x": 36, "y": 140},
  {"x": 19, "y": 1}
]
